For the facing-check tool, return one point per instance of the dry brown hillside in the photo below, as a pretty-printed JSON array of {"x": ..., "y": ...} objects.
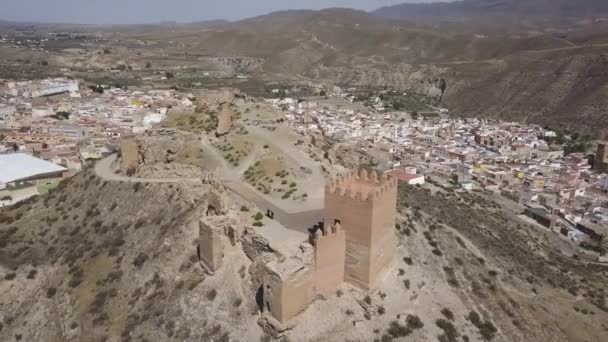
[{"x": 100, "y": 260}]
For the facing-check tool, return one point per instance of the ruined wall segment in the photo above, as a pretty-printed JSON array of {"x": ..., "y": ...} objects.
[
  {"x": 365, "y": 206},
  {"x": 129, "y": 151},
  {"x": 211, "y": 246},
  {"x": 601, "y": 157},
  {"x": 330, "y": 248},
  {"x": 289, "y": 286}
]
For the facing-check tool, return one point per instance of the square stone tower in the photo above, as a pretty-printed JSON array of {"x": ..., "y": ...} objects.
[
  {"x": 329, "y": 247},
  {"x": 364, "y": 205}
]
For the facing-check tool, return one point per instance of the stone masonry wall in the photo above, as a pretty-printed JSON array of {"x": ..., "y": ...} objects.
[
  {"x": 384, "y": 241},
  {"x": 365, "y": 205},
  {"x": 211, "y": 245},
  {"x": 129, "y": 152},
  {"x": 330, "y": 249}
]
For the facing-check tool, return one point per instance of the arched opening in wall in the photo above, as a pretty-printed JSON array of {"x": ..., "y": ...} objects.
[
  {"x": 336, "y": 221},
  {"x": 211, "y": 211},
  {"x": 259, "y": 298}
]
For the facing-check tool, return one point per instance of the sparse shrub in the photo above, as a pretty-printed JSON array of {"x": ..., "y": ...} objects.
[
  {"x": 381, "y": 310},
  {"x": 447, "y": 313},
  {"x": 437, "y": 252},
  {"x": 10, "y": 276},
  {"x": 258, "y": 217},
  {"x": 244, "y": 208},
  {"x": 75, "y": 281},
  {"x": 396, "y": 330},
  {"x": 32, "y": 274},
  {"x": 368, "y": 300},
  {"x": 408, "y": 260},
  {"x": 487, "y": 330},
  {"x": 406, "y": 283},
  {"x": 50, "y": 292},
  {"x": 211, "y": 294},
  {"x": 474, "y": 318},
  {"x": 139, "y": 223},
  {"x": 349, "y": 312},
  {"x": 448, "y": 328},
  {"x": 339, "y": 293},
  {"x": 414, "y": 322},
  {"x": 139, "y": 260},
  {"x": 258, "y": 224},
  {"x": 451, "y": 276},
  {"x": 237, "y": 302}
]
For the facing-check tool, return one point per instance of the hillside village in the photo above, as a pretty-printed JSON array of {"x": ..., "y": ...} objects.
[{"x": 566, "y": 193}]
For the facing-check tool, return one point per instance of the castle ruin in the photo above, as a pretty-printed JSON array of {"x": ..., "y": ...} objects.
[{"x": 354, "y": 244}]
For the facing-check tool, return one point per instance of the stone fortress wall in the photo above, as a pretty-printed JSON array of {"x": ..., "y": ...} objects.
[
  {"x": 329, "y": 246},
  {"x": 355, "y": 244}
]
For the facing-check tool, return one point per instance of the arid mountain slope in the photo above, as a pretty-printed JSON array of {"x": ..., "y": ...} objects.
[
  {"x": 100, "y": 260},
  {"x": 539, "y": 78},
  {"x": 565, "y": 89},
  {"x": 500, "y": 14}
]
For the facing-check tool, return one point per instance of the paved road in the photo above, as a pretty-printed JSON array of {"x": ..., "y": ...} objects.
[{"x": 104, "y": 169}]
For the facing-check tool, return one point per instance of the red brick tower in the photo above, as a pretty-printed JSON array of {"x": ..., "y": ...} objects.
[{"x": 365, "y": 207}]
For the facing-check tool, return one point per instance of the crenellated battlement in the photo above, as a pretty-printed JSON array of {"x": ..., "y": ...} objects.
[
  {"x": 328, "y": 232},
  {"x": 361, "y": 185}
]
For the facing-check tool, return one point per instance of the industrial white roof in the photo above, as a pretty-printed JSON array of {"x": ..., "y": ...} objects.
[{"x": 18, "y": 166}]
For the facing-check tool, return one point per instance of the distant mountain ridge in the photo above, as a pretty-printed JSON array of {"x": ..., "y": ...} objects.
[{"x": 500, "y": 12}]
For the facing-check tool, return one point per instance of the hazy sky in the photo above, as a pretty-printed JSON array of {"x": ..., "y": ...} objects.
[{"x": 145, "y": 11}]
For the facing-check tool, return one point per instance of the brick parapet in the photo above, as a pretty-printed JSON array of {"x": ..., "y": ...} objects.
[{"x": 346, "y": 185}]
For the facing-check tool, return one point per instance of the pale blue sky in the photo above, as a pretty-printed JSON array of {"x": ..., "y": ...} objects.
[{"x": 146, "y": 11}]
